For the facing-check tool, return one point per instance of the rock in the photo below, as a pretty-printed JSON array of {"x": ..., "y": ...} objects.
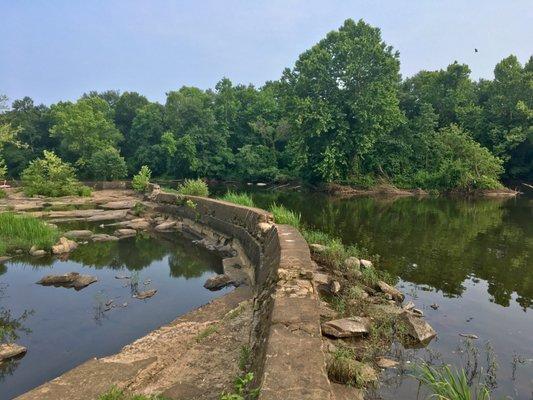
[
  {"x": 334, "y": 287},
  {"x": 352, "y": 263},
  {"x": 64, "y": 246},
  {"x": 125, "y": 232},
  {"x": 11, "y": 350},
  {"x": 318, "y": 248},
  {"x": 264, "y": 227},
  {"x": 418, "y": 328},
  {"x": 321, "y": 279},
  {"x": 139, "y": 224},
  {"x": 260, "y": 184},
  {"x": 345, "y": 392},
  {"x": 35, "y": 252},
  {"x": 103, "y": 237},
  {"x": 3, "y": 259},
  {"x": 165, "y": 226},
  {"x": 145, "y": 295},
  {"x": 217, "y": 282},
  {"x": 70, "y": 280},
  {"x": 346, "y": 327},
  {"x": 79, "y": 234},
  {"x": 366, "y": 263},
  {"x": 119, "y": 205},
  {"x": 384, "y": 363},
  {"x": 434, "y": 306},
  {"x": 469, "y": 335},
  {"x": 418, "y": 312},
  {"x": 326, "y": 311},
  {"x": 122, "y": 277},
  {"x": 409, "y": 306},
  {"x": 388, "y": 289}
]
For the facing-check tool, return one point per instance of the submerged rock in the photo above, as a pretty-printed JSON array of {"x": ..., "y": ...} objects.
[
  {"x": 218, "y": 282},
  {"x": 125, "y": 232},
  {"x": 35, "y": 252},
  {"x": 346, "y": 327},
  {"x": 78, "y": 234},
  {"x": 390, "y": 290},
  {"x": 11, "y": 350},
  {"x": 64, "y": 246},
  {"x": 103, "y": 237},
  {"x": 418, "y": 328},
  {"x": 70, "y": 280},
  {"x": 145, "y": 295}
]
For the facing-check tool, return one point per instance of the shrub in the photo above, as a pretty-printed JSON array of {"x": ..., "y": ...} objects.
[
  {"x": 3, "y": 194},
  {"x": 284, "y": 216},
  {"x": 193, "y": 187},
  {"x": 3, "y": 169},
  {"x": 23, "y": 232},
  {"x": 50, "y": 176},
  {"x": 243, "y": 199},
  {"x": 141, "y": 181},
  {"x": 107, "y": 164}
]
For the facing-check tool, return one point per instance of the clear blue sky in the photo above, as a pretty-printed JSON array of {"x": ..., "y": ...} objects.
[{"x": 55, "y": 50}]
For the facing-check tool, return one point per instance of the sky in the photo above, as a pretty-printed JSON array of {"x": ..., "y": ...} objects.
[{"x": 55, "y": 50}]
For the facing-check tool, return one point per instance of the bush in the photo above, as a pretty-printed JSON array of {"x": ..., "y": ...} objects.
[
  {"x": 107, "y": 164},
  {"x": 141, "y": 181},
  {"x": 23, "y": 232},
  {"x": 3, "y": 169},
  {"x": 50, "y": 176},
  {"x": 3, "y": 194},
  {"x": 243, "y": 199},
  {"x": 193, "y": 187},
  {"x": 284, "y": 216}
]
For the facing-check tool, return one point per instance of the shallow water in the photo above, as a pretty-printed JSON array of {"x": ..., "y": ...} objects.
[
  {"x": 67, "y": 327},
  {"x": 474, "y": 258}
]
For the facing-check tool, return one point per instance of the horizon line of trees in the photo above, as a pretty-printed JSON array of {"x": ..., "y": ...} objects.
[{"x": 341, "y": 114}]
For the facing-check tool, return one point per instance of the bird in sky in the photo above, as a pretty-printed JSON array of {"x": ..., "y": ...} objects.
[{"x": 475, "y": 50}]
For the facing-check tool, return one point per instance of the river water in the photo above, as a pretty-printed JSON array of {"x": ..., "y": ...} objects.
[
  {"x": 64, "y": 328},
  {"x": 471, "y": 258}
]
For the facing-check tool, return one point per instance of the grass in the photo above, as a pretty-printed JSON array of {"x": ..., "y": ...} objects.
[
  {"x": 23, "y": 232},
  {"x": 242, "y": 199},
  {"x": 344, "y": 368},
  {"x": 284, "y": 216},
  {"x": 207, "y": 332},
  {"x": 193, "y": 187},
  {"x": 447, "y": 384},
  {"x": 118, "y": 394},
  {"x": 3, "y": 194}
]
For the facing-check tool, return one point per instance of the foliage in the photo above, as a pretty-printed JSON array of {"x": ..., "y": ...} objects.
[
  {"x": 118, "y": 394},
  {"x": 283, "y": 216},
  {"x": 3, "y": 194},
  {"x": 243, "y": 199},
  {"x": 50, "y": 176},
  {"x": 3, "y": 169},
  {"x": 107, "y": 164},
  {"x": 242, "y": 389},
  {"x": 141, "y": 181},
  {"x": 23, "y": 232},
  {"x": 193, "y": 187},
  {"x": 448, "y": 384}
]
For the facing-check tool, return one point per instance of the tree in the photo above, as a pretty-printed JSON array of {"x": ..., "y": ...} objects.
[
  {"x": 107, "y": 164},
  {"x": 342, "y": 96},
  {"x": 255, "y": 163},
  {"x": 83, "y": 128},
  {"x": 126, "y": 109}
]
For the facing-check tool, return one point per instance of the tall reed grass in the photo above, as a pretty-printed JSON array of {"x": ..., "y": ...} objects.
[
  {"x": 23, "y": 232},
  {"x": 242, "y": 199}
]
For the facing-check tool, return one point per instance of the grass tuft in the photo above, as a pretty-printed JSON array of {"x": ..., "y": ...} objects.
[
  {"x": 193, "y": 187},
  {"x": 242, "y": 199},
  {"x": 284, "y": 216},
  {"x": 118, "y": 394},
  {"x": 23, "y": 232}
]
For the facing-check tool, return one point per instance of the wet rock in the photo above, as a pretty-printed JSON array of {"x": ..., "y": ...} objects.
[
  {"x": 434, "y": 306},
  {"x": 217, "y": 282},
  {"x": 366, "y": 263},
  {"x": 78, "y": 234},
  {"x": 346, "y": 327},
  {"x": 145, "y": 295},
  {"x": 11, "y": 350},
  {"x": 352, "y": 263},
  {"x": 64, "y": 246},
  {"x": 409, "y": 306},
  {"x": 318, "y": 248},
  {"x": 3, "y": 259},
  {"x": 70, "y": 280},
  {"x": 469, "y": 336},
  {"x": 418, "y": 328},
  {"x": 418, "y": 312},
  {"x": 384, "y": 363},
  {"x": 392, "y": 291},
  {"x": 103, "y": 237},
  {"x": 125, "y": 232},
  {"x": 122, "y": 277},
  {"x": 165, "y": 226},
  {"x": 35, "y": 252}
]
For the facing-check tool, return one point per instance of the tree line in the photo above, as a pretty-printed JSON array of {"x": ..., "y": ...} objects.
[{"x": 341, "y": 114}]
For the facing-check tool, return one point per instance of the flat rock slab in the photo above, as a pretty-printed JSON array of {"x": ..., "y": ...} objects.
[
  {"x": 103, "y": 237},
  {"x": 388, "y": 289},
  {"x": 346, "y": 327},
  {"x": 165, "y": 226},
  {"x": 217, "y": 282},
  {"x": 70, "y": 280},
  {"x": 418, "y": 328},
  {"x": 119, "y": 205},
  {"x": 11, "y": 350},
  {"x": 125, "y": 232},
  {"x": 146, "y": 294},
  {"x": 78, "y": 234}
]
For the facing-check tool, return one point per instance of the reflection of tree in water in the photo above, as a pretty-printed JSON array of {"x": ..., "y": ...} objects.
[
  {"x": 439, "y": 242},
  {"x": 184, "y": 264}
]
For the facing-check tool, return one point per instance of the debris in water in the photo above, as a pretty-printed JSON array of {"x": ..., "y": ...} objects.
[
  {"x": 434, "y": 306},
  {"x": 122, "y": 277},
  {"x": 147, "y": 282},
  {"x": 469, "y": 335}
]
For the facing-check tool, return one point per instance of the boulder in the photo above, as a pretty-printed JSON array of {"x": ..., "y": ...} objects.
[
  {"x": 217, "y": 282},
  {"x": 79, "y": 234},
  {"x": 138, "y": 224},
  {"x": 125, "y": 232},
  {"x": 418, "y": 328},
  {"x": 165, "y": 226},
  {"x": 384, "y": 363},
  {"x": 11, "y": 350},
  {"x": 346, "y": 327},
  {"x": 390, "y": 290},
  {"x": 318, "y": 248},
  {"x": 64, "y": 246},
  {"x": 352, "y": 263},
  {"x": 321, "y": 278},
  {"x": 103, "y": 237},
  {"x": 145, "y": 295},
  {"x": 365, "y": 263},
  {"x": 69, "y": 280},
  {"x": 35, "y": 252}
]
